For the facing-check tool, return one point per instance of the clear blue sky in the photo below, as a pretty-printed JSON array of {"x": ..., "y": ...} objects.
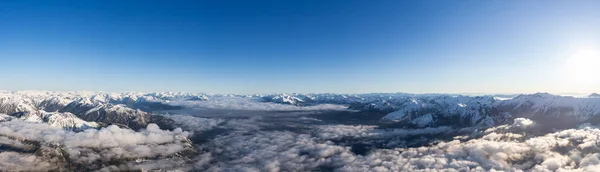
[{"x": 340, "y": 46}]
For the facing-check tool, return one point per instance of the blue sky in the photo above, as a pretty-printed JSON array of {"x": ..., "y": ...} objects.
[{"x": 339, "y": 46}]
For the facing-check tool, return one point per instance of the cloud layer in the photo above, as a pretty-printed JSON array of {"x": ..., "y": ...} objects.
[
  {"x": 238, "y": 103},
  {"x": 276, "y": 137},
  {"x": 508, "y": 148},
  {"x": 89, "y": 147}
]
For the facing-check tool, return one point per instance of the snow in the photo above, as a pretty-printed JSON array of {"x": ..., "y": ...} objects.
[
  {"x": 23, "y": 115},
  {"x": 479, "y": 108},
  {"x": 580, "y": 108},
  {"x": 413, "y": 108},
  {"x": 503, "y": 98},
  {"x": 60, "y": 120}
]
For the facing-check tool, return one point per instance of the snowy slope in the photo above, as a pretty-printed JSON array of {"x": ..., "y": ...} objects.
[
  {"x": 444, "y": 110},
  {"x": 552, "y": 109},
  {"x": 121, "y": 108},
  {"x": 284, "y": 99},
  {"x": 56, "y": 119},
  {"x": 135, "y": 109}
]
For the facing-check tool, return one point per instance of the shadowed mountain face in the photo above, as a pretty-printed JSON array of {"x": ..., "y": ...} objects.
[{"x": 75, "y": 131}]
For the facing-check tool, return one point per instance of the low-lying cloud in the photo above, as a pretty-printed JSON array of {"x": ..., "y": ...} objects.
[
  {"x": 253, "y": 144},
  {"x": 14, "y": 161},
  {"x": 238, "y": 103},
  {"x": 193, "y": 123},
  {"x": 508, "y": 148},
  {"x": 90, "y": 147}
]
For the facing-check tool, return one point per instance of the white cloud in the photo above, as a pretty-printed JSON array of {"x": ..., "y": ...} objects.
[
  {"x": 249, "y": 147},
  {"x": 522, "y": 123},
  {"x": 270, "y": 151},
  {"x": 371, "y": 131},
  {"x": 237, "y": 103},
  {"x": 497, "y": 149},
  {"x": 195, "y": 123},
  {"x": 13, "y": 161},
  {"x": 93, "y": 145}
]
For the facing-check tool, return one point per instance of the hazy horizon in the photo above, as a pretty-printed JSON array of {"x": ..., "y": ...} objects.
[{"x": 273, "y": 93}]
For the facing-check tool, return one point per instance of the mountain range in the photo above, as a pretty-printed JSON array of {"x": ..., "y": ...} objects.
[{"x": 80, "y": 110}]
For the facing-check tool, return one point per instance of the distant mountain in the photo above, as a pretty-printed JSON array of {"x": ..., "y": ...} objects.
[
  {"x": 553, "y": 110},
  {"x": 135, "y": 110},
  {"x": 78, "y": 107},
  {"x": 444, "y": 111},
  {"x": 284, "y": 99},
  {"x": 425, "y": 110},
  {"x": 63, "y": 120},
  {"x": 385, "y": 102}
]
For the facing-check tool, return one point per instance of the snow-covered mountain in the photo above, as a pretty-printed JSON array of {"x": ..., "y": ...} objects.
[
  {"x": 64, "y": 120},
  {"x": 381, "y": 102},
  {"x": 418, "y": 110},
  {"x": 554, "y": 110},
  {"x": 551, "y": 110},
  {"x": 74, "y": 108},
  {"x": 456, "y": 110},
  {"x": 72, "y": 131},
  {"x": 444, "y": 110},
  {"x": 287, "y": 99}
]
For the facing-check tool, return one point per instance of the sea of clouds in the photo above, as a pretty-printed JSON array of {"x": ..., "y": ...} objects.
[
  {"x": 507, "y": 148},
  {"x": 295, "y": 143},
  {"x": 88, "y": 147},
  {"x": 239, "y": 103}
]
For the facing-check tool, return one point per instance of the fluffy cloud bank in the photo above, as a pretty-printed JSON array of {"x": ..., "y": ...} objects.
[
  {"x": 253, "y": 144},
  {"x": 195, "y": 123},
  {"x": 506, "y": 148},
  {"x": 90, "y": 148},
  {"x": 370, "y": 131},
  {"x": 568, "y": 150},
  {"x": 13, "y": 161}
]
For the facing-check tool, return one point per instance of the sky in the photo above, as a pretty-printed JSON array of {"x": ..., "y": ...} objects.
[{"x": 304, "y": 46}]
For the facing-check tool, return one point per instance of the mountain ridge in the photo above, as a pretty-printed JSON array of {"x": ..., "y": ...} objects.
[{"x": 135, "y": 110}]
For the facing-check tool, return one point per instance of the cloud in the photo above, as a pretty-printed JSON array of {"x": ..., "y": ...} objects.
[
  {"x": 508, "y": 148},
  {"x": 238, "y": 103},
  {"x": 13, "y": 161},
  {"x": 195, "y": 123},
  {"x": 110, "y": 136},
  {"x": 522, "y": 123},
  {"x": 370, "y": 131},
  {"x": 562, "y": 150},
  {"x": 174, "y": 164},
  {"x": 91, "y": 145},
  {"x": 249, "y": 148},
  {"x": 270, "y": 151},
  {"x": 256, "y": 144}
]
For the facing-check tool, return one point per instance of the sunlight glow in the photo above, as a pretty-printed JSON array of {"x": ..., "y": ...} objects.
[{"x": 583, "y": 68}]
